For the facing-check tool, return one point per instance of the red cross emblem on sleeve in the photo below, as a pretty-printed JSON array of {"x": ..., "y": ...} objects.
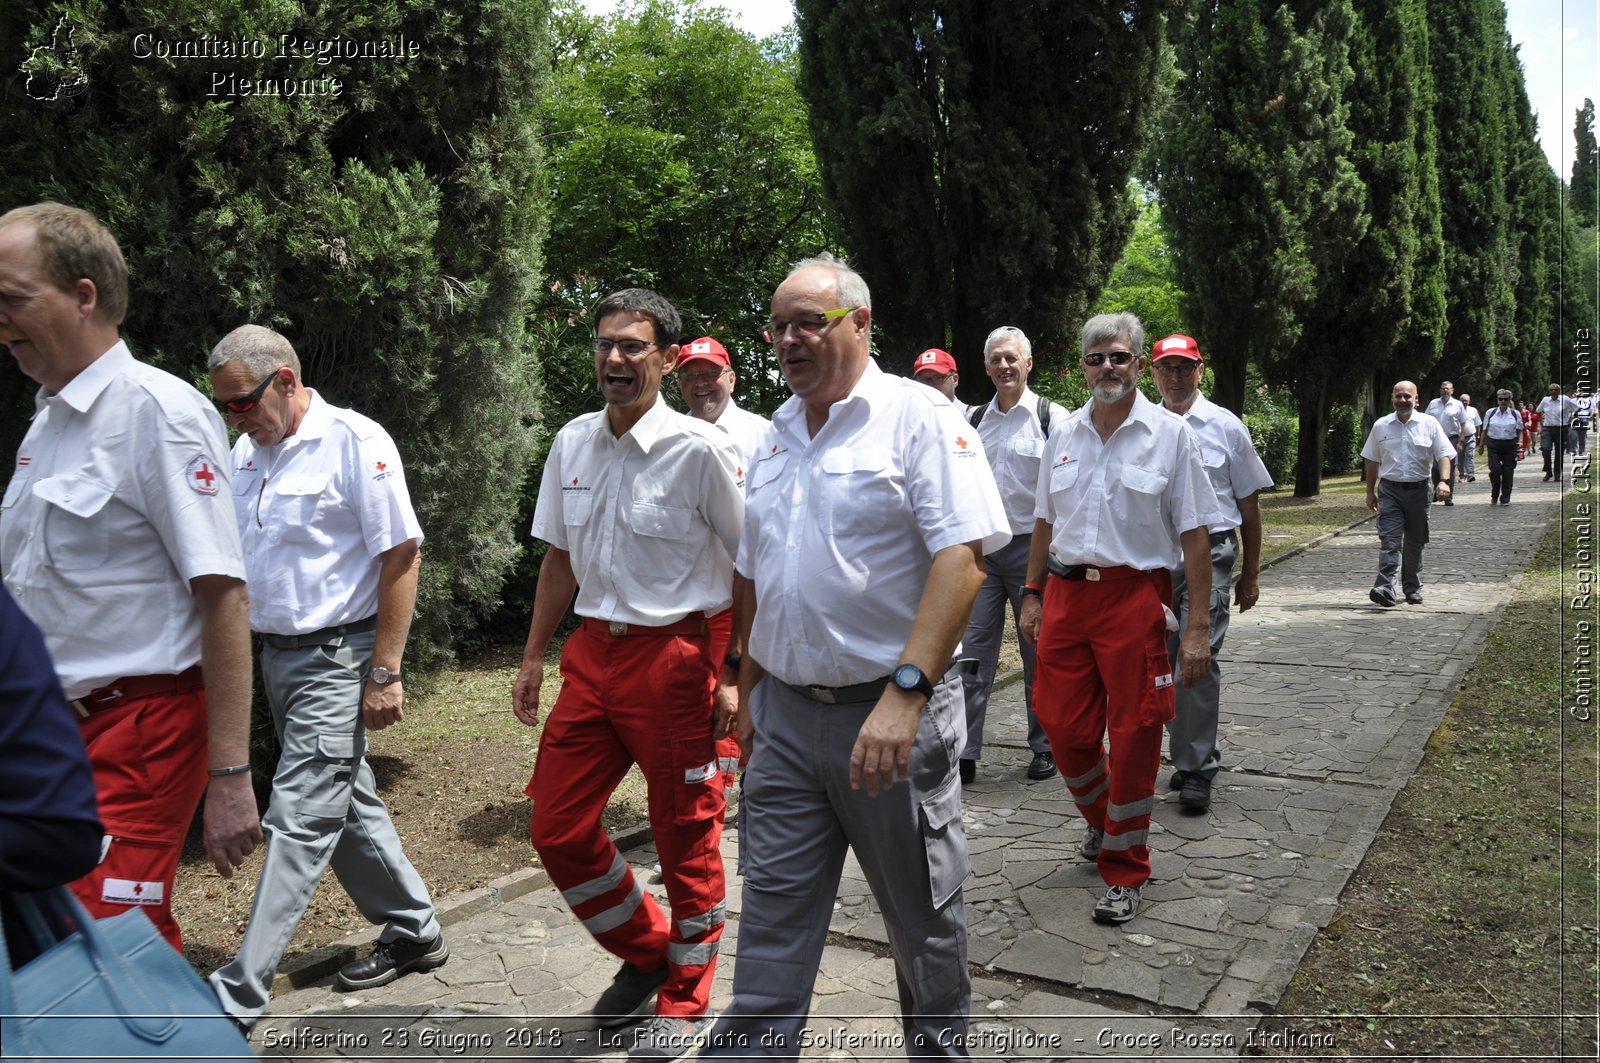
[{"x": 201, "y": 476}]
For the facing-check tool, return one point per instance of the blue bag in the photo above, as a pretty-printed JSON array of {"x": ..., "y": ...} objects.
[{"x": 109, "y": 990}]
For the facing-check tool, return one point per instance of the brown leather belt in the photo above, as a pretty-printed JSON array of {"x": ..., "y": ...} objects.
[
  {"x": 693, "y": 624},
  {"x": 133, "y": 687}
]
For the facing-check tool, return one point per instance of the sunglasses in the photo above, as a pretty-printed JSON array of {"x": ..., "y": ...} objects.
[
  {"x": 1116, "y": 358},
  {"x": 251, "y": 399}
]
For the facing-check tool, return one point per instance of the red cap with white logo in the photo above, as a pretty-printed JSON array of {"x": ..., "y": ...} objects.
[{"x": 704, "y": 349}]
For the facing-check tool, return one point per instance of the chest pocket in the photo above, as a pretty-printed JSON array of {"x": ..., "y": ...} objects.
[
  {"x": 1028, "y": 446},
  {"x": 294, "y": 509},
  {"x": 656, "y": 521},
  {"x": 1140, "y": 499},
  {"x": 1063, "y": 479},
  {"x": 576, "y": 508},
  {"x": 77, "y": 532},
  {"x": 857, "y": 490}
]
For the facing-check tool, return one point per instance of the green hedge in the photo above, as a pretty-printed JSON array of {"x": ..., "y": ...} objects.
[{"x": 1276, "y": 438}]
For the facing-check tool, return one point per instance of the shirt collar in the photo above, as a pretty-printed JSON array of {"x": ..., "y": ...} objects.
[
  {"x": 647, "y": 430},
  {"x": 82, "y": 390},
  {"x": 870, "y": 389},
  {"x": 1143, "y": 412},
  {"x": 1201, "y": 409}
]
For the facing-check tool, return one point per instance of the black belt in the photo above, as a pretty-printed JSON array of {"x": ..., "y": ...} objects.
[
  {"x": 872, "y": 688},
  {"x": 1092, "y": 573},
  {"x": 1218, "y": 538},
  {"x": 133, "y": 687},
  {"x": 328, "y": 636}
]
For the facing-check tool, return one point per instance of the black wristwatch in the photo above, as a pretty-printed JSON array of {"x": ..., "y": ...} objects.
[
  {"x": 733, "y": 659},
  {"x": 909, "y": 677}
]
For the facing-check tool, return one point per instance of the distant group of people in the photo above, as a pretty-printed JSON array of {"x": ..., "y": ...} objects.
[{"x": 820, "y": 597}]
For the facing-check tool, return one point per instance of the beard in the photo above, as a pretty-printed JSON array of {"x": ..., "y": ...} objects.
[{"x": 1112, "y": 391}]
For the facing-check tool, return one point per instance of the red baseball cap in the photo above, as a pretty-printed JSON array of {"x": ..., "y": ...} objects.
[
  {"x": 1177, "y": 346},
  {"x": 935, "y": 359},
  {"x": 704, "y": 349}
]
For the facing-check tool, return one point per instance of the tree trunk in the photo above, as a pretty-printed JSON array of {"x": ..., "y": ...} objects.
[{"x": 1313, "y": 434}]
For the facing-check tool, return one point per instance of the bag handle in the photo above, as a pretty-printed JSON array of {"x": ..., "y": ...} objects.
[{"x": 120, "y": 982}]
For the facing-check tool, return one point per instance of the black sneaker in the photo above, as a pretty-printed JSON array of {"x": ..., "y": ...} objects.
[
  {"x": 1043, "y": 766},
  {"x": 1383, "y": 598},
  {"x": 1196, "y": 793},
  {"x": 1120, "y": 904},
  {"x": 969, "y": 771},
  {"x": 632, "y": 993},
  {"x": 1175, "y": 780},
  {"x": 391, "y": 959},
  {"x": 667, "y": 1037}
]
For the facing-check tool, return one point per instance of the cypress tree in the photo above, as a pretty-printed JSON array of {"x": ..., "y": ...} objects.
[
  {"x": 362, "y": 176},
  {"x": 1534, "y": 243},
  {"x": 1584, "y": 192},
  {"x": 978, "y": 153}
]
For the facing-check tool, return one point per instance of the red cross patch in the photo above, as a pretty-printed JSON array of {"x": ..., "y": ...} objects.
[
  {"x": 962, "y": 443},
  {"x": 200, "y": 476}
]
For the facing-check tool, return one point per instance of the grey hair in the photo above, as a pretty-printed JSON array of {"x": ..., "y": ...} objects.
[
  {"x": 1024, "y": 344},
  {"x": 1502, "y": 394},
  {"x": 1103, "y": 327},
  {"x": 257, "y": 348},
  {"x": 853, "y": 290}
]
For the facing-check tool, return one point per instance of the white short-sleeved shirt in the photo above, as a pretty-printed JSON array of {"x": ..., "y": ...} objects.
[
  {"x": 749, "y": 430},
  {"x": 652, "y": 519},
  {"x": 315, "y": 510},
  {"x": 841, "y": 529},
  {"x": 1470, "y": 420},
  {"x": 1231, "y": 461},
  {"x": 1450, "y": 415},
  {"x": 1014, "y": 442},
  {"x": 1557, "y": 411},
  {"x": 120, "y": 497},
  {"x": 1503, "y": 426},
  {"x": 1128, "y": 500},
  {"x": 1406, "y": 451}
]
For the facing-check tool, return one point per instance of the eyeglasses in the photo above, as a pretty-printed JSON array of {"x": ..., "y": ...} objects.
[
  {"x": 251, "y": 399},
  {"x": 1171, "y": 368},
  {"x": 805, "y": 324},
  {"x": 1116, "y": 357},
  {"x": 628, "y": 348},
  {"x": 701, "y": 376}
]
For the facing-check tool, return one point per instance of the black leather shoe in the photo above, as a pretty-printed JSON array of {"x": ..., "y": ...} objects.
[
  {"x": 1175, "y": 781},
  {"x": 1414, "y": 598},
  {"x": 391, "y": 959},
  {"x": 1383, "y": 598},
  {"x": 969, "y": 771},
  {"x": 1043, "y": 766},
  {"x": 632, "y": 994},
  {"x": 1196, "y": 793}
]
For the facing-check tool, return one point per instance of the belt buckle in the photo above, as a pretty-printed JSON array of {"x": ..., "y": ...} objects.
[
  {"x": 1091, "y": 573},
  {"x": 822, "y": 694},
  {"x": 618, "y": 628}
]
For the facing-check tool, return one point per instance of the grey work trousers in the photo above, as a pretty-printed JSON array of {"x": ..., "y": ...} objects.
[
  {"x": 325, "y": 808},
  {"x": 1008, "y": 571},
  {"x": 1192, "y": 733},
  {"x": 1402, "y": 533},
  {"x": 800, "y": 817}
]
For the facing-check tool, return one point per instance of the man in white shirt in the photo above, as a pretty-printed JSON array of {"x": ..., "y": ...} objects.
[
  {"x": 1239, "y": 476},
  {"x": 331, "y": 551},
  {"x": 642, "y": 508},
  {"x": 1013, "y": 428},
  {"x": 1401, "y": 451},
  {"x": 1470, "y": 423},
  {"x": 867, "y": 521},
  {"x": 1502, "y": 430},
  {"x": 1122, "y": 500},
  {"x": 1556, "y": 409},
  {"x": 937, "y": 369},
  {"x": 117, "y": 539},
  {"x": 1448, "y": 411},
  {"x": 706, "y": 379}
]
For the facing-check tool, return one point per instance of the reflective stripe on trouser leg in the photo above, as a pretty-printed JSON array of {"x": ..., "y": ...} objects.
[
  {"x": 581, "y": 761},
  {"x": 1103, "y": 667}
]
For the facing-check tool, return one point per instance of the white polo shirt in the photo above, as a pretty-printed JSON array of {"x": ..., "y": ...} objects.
[
  {"x": 120, "y": 497},
  {"x": 1503, "y": 425},
  {"x": 1448, "y": 414},
  {"x": 1014, "y": 443},
  {"x": 651, "y": 520},
  {"x": 315, "y": 510},
  {"x": 749, "y": 430},
  {"x": 841, "y": 529},
  {"x": 1406, "y": 451},
  {"x": 1235, "y": 469},
  {"x": 1125, "y": 501}
]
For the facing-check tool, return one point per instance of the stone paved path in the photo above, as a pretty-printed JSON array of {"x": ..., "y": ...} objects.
[{"x": 1328, "y": 701}]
